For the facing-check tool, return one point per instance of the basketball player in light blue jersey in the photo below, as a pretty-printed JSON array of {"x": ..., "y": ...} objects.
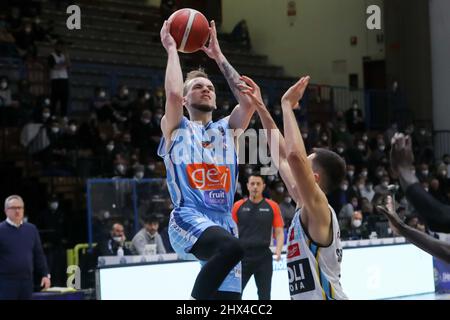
[
  {"x": 202, "y": 171},
  {"x": 314, "y": 247}
]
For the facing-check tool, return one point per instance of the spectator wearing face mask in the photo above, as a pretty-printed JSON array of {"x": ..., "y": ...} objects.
[
  {"x": 141, "y": 131},
  {"x": 342, "y": 135},
  {"x": 120, "y": 170},
  {"x": 278, "y": 192},
  {"x": 341, "y": 196},
  {"x": 359, "y": 154},
  {"x": 423, "y": 145},
  {"x": 43, "y": 113},
  {"x": 358, "y": 229},
  {"x": 382, "y": 188},
  {"x": 423, "y": 172},
  {"x": 5, "y": 93},
  {"x": 442, "y": 176},
  {"x": 121, "y": 105},
  {"x": 114, "y": 244},
  {"x": 378, "y": 154},
  {"x": 287, "y": 209},
  {"x": 53, "y": 228},
  {"x": 351, "y": 173},
  {"x": 354, "y": 118},
  {"x": 148, "y": 235},
  {"x": 59, "y": 65},
  {"x": 150, "y": 170},
  {"x": 340, "y": 149},
  {"x": 139, "y": 172},
  {"x": 367, "y": 191},
  {"x": 70, "y": 137},
  {"x": 25, "y": 40},
  {"x": 101, "y": 105},
  {"x": 144, "y": 101}
]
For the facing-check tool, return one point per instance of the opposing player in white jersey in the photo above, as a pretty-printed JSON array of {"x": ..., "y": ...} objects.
[{"x": 314, "y": 248}]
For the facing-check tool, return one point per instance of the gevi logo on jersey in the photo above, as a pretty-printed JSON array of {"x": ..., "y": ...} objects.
[{"x": 205, "y": 176}]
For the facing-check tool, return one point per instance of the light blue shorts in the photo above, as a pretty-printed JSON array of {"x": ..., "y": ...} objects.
[{"x": 186, "y": 225}]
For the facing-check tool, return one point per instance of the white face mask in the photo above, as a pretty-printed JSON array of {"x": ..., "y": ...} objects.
[
  {"x": 145, "y": 121},
  {"x": 120, "y": 168},
  {"x": 340, "y": 150},
  {"x": 364, "y": 173},
  {"x": 357, "y": 223},
  {"x": 54, "y": 205},
  {"x": 125, "y": 92},
  {"x": 350, "y": 173},
  {"x": 226, "y": 107},
  {"x": 381, "y": 148},
  {"x": 47, "y": 102},
  {"x": 344, "y": 187},
  {"x": 102, "y": 94},
  {"x": 4, "y": 84},
  {"x": 55, "y": 129},
  {"x": 139, "y": 175},
  {"x": 46, "y": 115},
  {"x": 73, "y": 128},
  {"x": 360, "y": 147},
  {"x": 270, "y": 178},
  {"x": 425, "y": 172},
  {"x": 288, "y": 199},
  {"x": 385, "y": 184},
  {"x": 151, "y": 167},
  {"x": 110, "y": 147},
  {"x": 305, "y": 136},
  {"x": 280, "y": 189},
  {"x": 365, "y": 138},
  {"x": 147, "y": 96},
  {"x": 117, "y": 239}
]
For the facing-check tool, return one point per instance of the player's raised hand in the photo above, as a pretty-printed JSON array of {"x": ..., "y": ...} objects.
[
  {"x": 167, "y": 40},
  {"x": 213, "y": 49},
  {"x": 295, "y": 93},
  {"x": 402, "y": 156},
  {"x": 249, "y": 88}
]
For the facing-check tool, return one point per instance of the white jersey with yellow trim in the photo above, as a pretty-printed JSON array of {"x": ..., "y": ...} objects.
[{"x": 314, "y": 271}]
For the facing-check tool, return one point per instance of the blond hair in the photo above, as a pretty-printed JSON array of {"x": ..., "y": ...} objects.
[{"x": 199, "y": 73}]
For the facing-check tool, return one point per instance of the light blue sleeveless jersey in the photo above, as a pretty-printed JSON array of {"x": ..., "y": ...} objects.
[{"x": 202, "y": 173}]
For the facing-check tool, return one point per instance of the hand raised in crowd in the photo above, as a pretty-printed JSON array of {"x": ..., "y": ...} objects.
[
  {"x": 213, "y": 49},
  {"x": 402, "y": 156},
  {"x": 295, "y": 93}
]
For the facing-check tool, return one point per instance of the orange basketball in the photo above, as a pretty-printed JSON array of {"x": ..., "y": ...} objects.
[{"x": 190, "y": 29}]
